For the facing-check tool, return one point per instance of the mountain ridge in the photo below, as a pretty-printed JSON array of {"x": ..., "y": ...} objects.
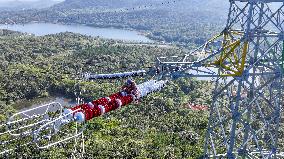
[
  {"x": 14, "y": 5},
  {"x": 216, "y": 5}
]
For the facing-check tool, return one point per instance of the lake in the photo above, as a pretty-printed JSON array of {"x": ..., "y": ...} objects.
[{"x": 41, "y": 29}]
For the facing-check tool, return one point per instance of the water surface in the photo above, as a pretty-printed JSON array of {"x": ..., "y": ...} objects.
[{"x": 41, "y": 29}]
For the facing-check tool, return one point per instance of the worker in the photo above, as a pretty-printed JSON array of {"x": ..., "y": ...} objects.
[{"x": 130, "y": 87}]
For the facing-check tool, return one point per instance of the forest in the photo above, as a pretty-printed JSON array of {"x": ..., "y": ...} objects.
[{"x": 160, "y": 126}]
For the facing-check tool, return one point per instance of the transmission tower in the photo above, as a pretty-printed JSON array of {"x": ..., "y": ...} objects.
[{"x": 246, "y": 63}]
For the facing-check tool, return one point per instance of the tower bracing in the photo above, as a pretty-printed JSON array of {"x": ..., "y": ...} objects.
[{"x": 245, "y": 61}]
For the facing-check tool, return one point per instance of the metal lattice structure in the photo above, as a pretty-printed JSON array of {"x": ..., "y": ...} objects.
[{"x": 246, "y": 63}]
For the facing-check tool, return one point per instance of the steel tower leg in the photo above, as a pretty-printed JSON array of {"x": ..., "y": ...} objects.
[
  {"x": 245, "y": 112},
  {"x": 246, "y": 62}
]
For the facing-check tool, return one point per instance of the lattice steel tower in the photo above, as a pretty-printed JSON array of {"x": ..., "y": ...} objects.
[{"x": 246, "y": 62}]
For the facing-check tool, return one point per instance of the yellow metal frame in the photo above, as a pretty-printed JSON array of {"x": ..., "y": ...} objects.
[{"x": 228, "y": 60}]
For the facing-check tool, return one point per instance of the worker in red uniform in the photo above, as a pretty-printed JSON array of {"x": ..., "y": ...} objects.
[{"x": 130, "y": 88}]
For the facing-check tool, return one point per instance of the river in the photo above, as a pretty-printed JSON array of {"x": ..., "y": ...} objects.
[{"x": 41, "y": 29}]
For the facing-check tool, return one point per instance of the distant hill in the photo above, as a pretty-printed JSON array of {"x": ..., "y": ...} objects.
[
  {"x": 215, "y": 9},
  {"x": 213, "y": 5},
  {"x": 13, "y": 5},
  {"x": 110, "y": 4}
]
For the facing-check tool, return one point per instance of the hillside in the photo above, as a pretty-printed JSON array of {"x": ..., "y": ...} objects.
[
  {"x": 14, "y": 5},
  {"x": 218, "y": 7},
  {"x": 182, "y": 4},
  {"x": 78, "y": 4}
]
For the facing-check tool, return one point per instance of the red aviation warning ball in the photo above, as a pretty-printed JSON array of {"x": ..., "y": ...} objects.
[{"x": 129, "y": 94}]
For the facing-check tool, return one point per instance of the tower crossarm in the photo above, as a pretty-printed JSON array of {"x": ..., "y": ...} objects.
[{"x": 223, "y": 55}]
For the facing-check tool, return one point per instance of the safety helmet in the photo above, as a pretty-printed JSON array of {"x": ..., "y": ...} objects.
[{"x": 128, "y": 82}]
